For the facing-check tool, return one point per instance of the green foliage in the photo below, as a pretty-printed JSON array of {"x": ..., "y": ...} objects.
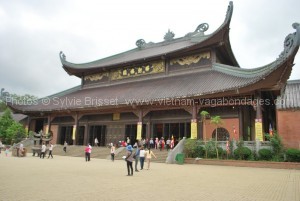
[
  {"x": 217, "y": 121},
  {"x": 189, "y": 149},
  {"x": 242, "y": 153},
  {"x": 204, "y": 114},
  {"x": 3, "y": 106},
  {"x": 292, "y": 155},
  {"x": 6, "y": 121},
  {"x": 10, "y": 131},
  {"x": 16, "y": 132},
  {"x": 265, "y": 154},
  {"x": 193, "y": 148},
  {"x": 210, "y": 148},
  {"x": 277, "y": 146}
]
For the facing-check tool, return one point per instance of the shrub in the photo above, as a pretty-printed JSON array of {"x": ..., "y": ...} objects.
[
  {"x": 242, "y": 153},
  {"x": 189, "y": 148},
  {"x": 265, "y": 154},
  {"x": 293, "y": 155},
  {"x": 199, "y": 151},
  {"x": 210, "y": 148}
]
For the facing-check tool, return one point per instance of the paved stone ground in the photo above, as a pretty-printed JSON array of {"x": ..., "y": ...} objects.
[{"x": 71, "y": 178}]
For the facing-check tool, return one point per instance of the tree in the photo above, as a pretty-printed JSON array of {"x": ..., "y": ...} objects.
[
  {"x": 217, "y": 121},
  {"x": 204, "y": 114},
  {"x": 6, "y": 121},
  {"x": 15, "y": 133},
  {"x": 10, "y": 130}
]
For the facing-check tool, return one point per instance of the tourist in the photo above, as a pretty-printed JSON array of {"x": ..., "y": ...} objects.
[
  {"x": 6, "y": 151},
  {"x": 149, "y": 155},
  {"x": 168, "y": 143},
  {"x": 151, "y": 143},
  {"x": 43, "y": 150},
  {"x": 129, "y": 159},
  {"x": 96, "y": 142},
  {"x": 90, "y": 151},
  {"x": 65, "y": 147},
  {"x": 50, "y": 150},
  {"x": 21, "y": 150},
  {"x": 128, "y": 141},
  {"x": 156, "y": 142},
  {"x": 112, "y": 152},
  {"x": 87, "y": 151},
  {"x": 142, "y": 157},
  {"x": 137, "y": 157},
  {"x": 172, "y": 143}
]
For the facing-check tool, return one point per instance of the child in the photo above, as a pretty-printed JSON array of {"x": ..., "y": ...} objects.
[{"x": 6, "y": 151}]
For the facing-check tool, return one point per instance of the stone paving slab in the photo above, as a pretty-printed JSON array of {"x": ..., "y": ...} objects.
[{"x": 71, "y": 178}]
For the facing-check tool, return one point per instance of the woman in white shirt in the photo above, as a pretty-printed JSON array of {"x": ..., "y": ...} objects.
[
  {"x": 149, "y": 155},
  {"x": 142, "y": 157},
  {"x": 112, "y": 152}
]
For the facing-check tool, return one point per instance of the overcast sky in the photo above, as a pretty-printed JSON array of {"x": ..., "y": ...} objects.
[{"x": 33, "y": 32}]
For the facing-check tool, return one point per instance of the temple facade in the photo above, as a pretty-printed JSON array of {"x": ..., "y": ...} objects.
[{"x": 160, "y": 89}]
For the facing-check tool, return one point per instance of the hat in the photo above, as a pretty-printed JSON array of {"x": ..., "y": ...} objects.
[{"x": 129, "y": 148}]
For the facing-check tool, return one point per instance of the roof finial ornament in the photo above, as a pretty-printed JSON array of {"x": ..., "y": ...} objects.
[
  {"x": 62, "y": 56},
  {"x": 202, "y": 27},
  {"x": 140, "y": 43},
  {"x": 296, "y": 26},
  {"x": 291, "y": 41},
  {"x": 169, "y": 36}
]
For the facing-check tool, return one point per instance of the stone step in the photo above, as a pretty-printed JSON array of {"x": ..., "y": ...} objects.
[{"x": 101, "y": 152}]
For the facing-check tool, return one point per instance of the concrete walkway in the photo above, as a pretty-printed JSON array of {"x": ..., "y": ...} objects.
[{"x": 71, "y": 178}]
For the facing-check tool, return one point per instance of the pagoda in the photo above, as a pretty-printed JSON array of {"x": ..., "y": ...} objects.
[{"x": 159, "y": 90}]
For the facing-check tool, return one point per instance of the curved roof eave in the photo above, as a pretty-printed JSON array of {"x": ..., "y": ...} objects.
[
  {"x": 176, "y": 46},
  {"x": 285, "y": 59}
]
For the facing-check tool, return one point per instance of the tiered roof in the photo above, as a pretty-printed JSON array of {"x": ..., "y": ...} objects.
[{"x": 215, "y": 81}]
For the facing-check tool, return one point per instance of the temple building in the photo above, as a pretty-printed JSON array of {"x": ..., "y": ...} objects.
[{"x": 160, "y": 89}]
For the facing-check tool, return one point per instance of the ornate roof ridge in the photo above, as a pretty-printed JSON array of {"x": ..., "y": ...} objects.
[
  {"x": 191, "y": 39},
  {"x": 291, "y": 45}
]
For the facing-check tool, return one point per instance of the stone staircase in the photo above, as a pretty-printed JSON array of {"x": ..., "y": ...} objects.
[{"x": 100, "y": 152}]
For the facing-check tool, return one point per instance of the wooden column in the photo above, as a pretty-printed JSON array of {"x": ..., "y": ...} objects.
[
  {"x": 75, "y": 127},
  {"x": 258, "y": 120},
  {"x": 85, "y": 139},
  {"x": 48, "y": 126},
  {"x": 139, "y": 125},
  {"x": 27, "y": 127},
  {"x": 194, "y": 123}
]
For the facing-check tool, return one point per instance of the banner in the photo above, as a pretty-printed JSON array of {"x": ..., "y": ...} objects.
[
  {"x": 74, "y": 132},
  {"x": 258, "y": 130},
  {"x": 46, "y": 129},
  {"x": 194, "y": 129},
  {"x": 139, "y": 131}
]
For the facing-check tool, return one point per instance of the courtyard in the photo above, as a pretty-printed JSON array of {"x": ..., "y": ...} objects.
[{"x": 71, "y": 178}]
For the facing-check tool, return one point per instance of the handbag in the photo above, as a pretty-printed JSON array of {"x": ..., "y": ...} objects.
[{"x": 128, "y": 157}]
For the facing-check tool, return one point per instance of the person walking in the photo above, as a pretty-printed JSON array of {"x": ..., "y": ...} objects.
[
  {"x": 129, "y": 159},
  {"x": 43, "y": 150},
  {"x": 96, "y": 142},
  {"x": 112, "y": 152},
  {"x": 50, "y": 150},
  {"x": 137, "y": 157},
  {"x": 87, "y": 153},
  {"x": 142, "y": 157},
  {"x": 65, "y": 147},
  {"x": 149, "y": 155}
]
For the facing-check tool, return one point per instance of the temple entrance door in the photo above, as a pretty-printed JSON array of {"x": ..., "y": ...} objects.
[
  {"x": 167, "y": 130},
  {"x": 99, "y": 132},
  {"x": 80, "y": 136},
  {"x": 157, "y": 131},
  {"x": 131, "y": 132},
  {"x": 66, "y": 135},
  {"x": 39, "y": 125}
]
